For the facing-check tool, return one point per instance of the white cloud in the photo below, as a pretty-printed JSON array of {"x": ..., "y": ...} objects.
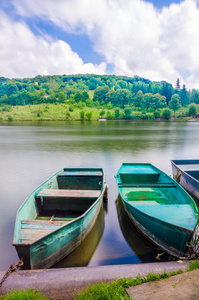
[
  {"x": 22, "y": 54},
  {"x": 131, "y": 34}
]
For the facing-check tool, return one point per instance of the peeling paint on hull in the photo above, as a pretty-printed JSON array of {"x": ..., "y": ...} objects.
[{"x": 63, "y": 234}]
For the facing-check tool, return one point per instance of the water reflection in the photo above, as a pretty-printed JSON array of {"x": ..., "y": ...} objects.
[
  {"x": 142, "y": 248},
  {"x": 81, "y": 256},
  {"x": 31, "y": 152}
]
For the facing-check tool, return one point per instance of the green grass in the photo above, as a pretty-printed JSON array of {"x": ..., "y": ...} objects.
[
  {"x": 25, "y": 295},
  {"x": 47, "y": 112},
  {"x": 116, "y": 289},
  {"x": 193, "y": 265}
]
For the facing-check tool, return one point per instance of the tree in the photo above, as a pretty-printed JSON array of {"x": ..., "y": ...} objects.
[
  {"x": 184, "y": 96},
  {"x": 78, "y": 96},
  {"x": 61, "y": 97},
  {"x": 109, "y": 115},
  {"x": 85, "y": 95},
  {"x": 166, "y": 113},
  {"x": 177, "y": 85},
  {"x": 174, "y": 104},
  {"x": 157, "y": 114},
  {"x": 100, "y": 93},
  {"x": 192, "y": 110},
  {"x": 194, "y": 97},
  {"x": 167, "y": 91},
  {"x": 89, "y": 115},
  {"x": 138, "y": 98},
  {"x": 117, "y": 113},
  {"x": 127, "y": 113},
  {"x": 102, "y": 113},
  {"x": 82, "y": 115},
  {"x": 146, "y": 101}
]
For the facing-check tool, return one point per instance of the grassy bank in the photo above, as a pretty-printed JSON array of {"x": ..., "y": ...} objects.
[
  {"x": 75, "y": 112},
  {"x": 48, "y": 112}
]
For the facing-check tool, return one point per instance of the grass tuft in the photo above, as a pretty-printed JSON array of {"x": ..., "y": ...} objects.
[
  {"x": 193, "y": 265},
  {"x": 24, "y": 295}
]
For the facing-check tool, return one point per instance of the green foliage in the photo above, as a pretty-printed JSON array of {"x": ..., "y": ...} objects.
[
  {"x": 109, "y": 105},
  {"x": 78, "y": 96},
  {"x": 24, "y": 295},
  {"x": 193, "y": 265},
  {"x": 174, "y": 104},
  {"x": 184, "y": 96},
  {"x": 89, "y": 115},
  {"x": 166, "y": 113},
  {"x": 109, "y": 115},
  {"x": 95, "y": 91},
  {"x": 117, "y": 114},
  {"x": 82, "y": 115},
  {"x": 102, "y": 291},
  {"x": 61, "y": 97},
  {"x": 192, "y": 110},
  {"x": 138, "y": 99},
  {"x": 157, "y": 114},
  {"x": 89, "y": 102},
  {"x": 67, "y": 116},
  {"x": 10, "y": 118},
  {"x": 194, "y": 96},
  {"x": 102, "y": 113},
  {"x": 71, "y": 109},
  {"x": 127, "y": 113}
]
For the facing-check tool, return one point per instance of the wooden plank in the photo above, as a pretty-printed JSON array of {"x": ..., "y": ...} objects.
[
  {"x": 32, "y": 230},
  {"x": 43, "y": 222},
  {"x": 81, "y": 173},
  {"x": 159, "y": 185},
  {"x": 69, "y": 193}
]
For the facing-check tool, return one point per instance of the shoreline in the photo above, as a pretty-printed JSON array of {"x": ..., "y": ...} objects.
[
  {"x": 59, "y": 283},
  {"x": 88, "y": 121}
]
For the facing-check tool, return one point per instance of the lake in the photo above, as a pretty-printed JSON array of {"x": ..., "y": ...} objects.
[{"x": 31, "y": 152}]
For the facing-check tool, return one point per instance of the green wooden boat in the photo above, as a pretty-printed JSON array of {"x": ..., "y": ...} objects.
[
  {"x": 158, "y": 206},
  {"x": 57, "y": 216}
]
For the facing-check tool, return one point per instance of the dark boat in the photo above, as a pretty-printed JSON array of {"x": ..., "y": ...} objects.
[
  {"x": 57, "y": 216},
  {"x": 186, "y": 173},
  {"x": 158, "y": 206}
]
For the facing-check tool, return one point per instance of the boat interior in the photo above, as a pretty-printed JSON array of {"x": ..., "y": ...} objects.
[
  {"x": 153, "y": 193},
  {"x": 75, "y": 192},
  {"x": 72, "y": 194}
]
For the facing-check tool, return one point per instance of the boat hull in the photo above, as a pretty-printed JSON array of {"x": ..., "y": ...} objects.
[
  {"x": 57, "y": 216},
  {"x": 187, "y": 179},
  {"x": 163, "y": 235},
  {"x": 49, "y": 250},
  {"x": 158, "y": 206}
]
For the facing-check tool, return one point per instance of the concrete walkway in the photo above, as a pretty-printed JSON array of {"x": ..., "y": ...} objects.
[
  {"x": 180, "y": 287},
  {"x": 64, "y": 283}
]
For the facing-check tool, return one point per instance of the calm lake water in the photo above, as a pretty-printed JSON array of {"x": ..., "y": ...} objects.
[{"x": 31, "y": 152}]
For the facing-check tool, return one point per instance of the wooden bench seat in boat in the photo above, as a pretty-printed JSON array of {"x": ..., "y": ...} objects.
[
  {"x": 81, "y": 173},
  {"x": 65, "y": 199},
  {"x": 32, "y": 230},
  {"x": 69, "y": 193},
  {"x": 159, "y": 185}
]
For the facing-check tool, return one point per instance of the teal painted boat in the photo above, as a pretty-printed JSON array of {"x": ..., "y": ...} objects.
[
  {"x": 58, "y": 215},
  {"x": 158, "y": 206}
]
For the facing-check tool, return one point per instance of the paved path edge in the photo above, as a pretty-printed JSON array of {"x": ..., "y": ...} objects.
[{"x": 71, "y": 280}]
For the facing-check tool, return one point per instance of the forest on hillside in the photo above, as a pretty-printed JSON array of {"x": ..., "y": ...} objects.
[{"x": 99, "y": 91}]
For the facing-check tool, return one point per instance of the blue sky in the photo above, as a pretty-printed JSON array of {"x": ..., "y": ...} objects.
[{"x": 158, "y": 40}]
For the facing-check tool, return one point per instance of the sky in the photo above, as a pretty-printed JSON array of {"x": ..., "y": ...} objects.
[{"x": 157, "y": 40}]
